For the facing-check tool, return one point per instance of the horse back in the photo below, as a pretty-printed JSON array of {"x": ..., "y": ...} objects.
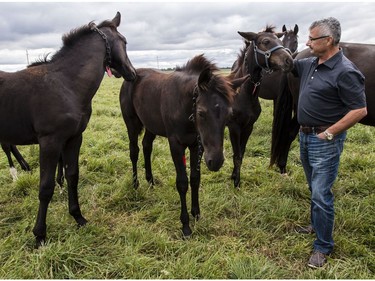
[
  {"x": 159, "y": 100},
  {"x": 363, "y": 56}
]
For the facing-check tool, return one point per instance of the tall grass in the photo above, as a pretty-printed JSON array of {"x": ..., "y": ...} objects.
[{"x": 246, "y": 233}]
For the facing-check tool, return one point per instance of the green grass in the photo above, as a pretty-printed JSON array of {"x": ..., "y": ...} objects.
[{"x": 246, "y": 233}]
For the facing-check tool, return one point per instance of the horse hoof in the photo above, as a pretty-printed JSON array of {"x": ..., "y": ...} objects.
[
  {"x": 40, "y": 241},
  {"x": 282, "y": 170},
  {"x": 150, "y": 181},
  {"x": 136, "y": 184},
  {"x": 196, "y": 215},
  {"x": 81, "y": 221},
  {"x": 236, "y": 184},
  {"x": 186, "y": 231}
]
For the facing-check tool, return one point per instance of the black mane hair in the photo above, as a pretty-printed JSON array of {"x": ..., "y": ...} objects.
[{"x": 69, "y": 39}]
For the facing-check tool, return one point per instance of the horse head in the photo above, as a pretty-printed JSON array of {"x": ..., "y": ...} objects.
[
  {"x": 214, "y": 100},
  {"x": 267, "y": 50},
  {"x": 115, "y": 43},
  {"x": 290, "y": 39}
]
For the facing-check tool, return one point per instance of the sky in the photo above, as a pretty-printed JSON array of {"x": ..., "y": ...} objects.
[{"x": 167, "y": 34}]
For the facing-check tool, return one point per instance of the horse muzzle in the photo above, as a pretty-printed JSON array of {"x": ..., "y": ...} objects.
[
  {"x": 130, "y": 74},
  {"x": 214, "y": 161}
]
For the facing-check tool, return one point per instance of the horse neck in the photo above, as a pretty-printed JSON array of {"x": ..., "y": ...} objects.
[
  {"x": 82, "y": 66},
  {"x": 253, "y": 69}
]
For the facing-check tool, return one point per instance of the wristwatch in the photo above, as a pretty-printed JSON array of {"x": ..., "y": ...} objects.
[{"x": 328, "y": 135}]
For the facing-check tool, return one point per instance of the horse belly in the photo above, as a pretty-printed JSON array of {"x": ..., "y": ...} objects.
[
  {"x": 15, "y": 126},
  {"x": 153, "y": 123},
  {"x": 14, "y": 131}
]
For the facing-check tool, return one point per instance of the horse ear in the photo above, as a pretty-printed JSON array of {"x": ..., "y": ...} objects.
[
  {"x": 296, "y": 29},
  {"x": 117, "y": 19},
  {"x": 236, "y": 83},
  {"x": 250, "y": 36},
  {"x": 204, "y": 78},
  {"x": 279, "y": 34},
  {"x": 284, "y": 28}
]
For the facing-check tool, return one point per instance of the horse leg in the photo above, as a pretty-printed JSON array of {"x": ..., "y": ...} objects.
[
  {"x": 12, "y": 169},
  {"x": 234, "y": 134},
  {"x": 245, "y": 134},
  {"x": 283, "y": 158},
  {"x": 70, "y": 160},
  {"x": 148, "y": 139},
  {"x": 195, "y": 179},
  {"x": 60, "y": 172},
  {"x": 24, "y": 165},
  {"x": 182, "y": 183},
  {"x": 49, "y": 152},
  {"x": 134, "y": 127}
]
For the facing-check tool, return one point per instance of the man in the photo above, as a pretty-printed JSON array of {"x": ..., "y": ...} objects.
[{"x": 332, "y": 99}]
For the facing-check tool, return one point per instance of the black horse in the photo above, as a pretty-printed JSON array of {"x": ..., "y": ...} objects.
[
  {"x": 269, "y": 89},
  {"x": 50, "y": 104},
  {"x": 264, "y": 51},
  {"x": 285, "y": 126},
  {"x": 190, "y": 107}
]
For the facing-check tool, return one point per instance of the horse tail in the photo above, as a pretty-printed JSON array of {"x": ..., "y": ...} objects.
[
  {"x": 281, "y": 121},
  {"x": 129, "y": 113}
]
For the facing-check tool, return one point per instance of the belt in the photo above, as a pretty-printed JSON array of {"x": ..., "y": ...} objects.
[{"x": 313, "y": 130}]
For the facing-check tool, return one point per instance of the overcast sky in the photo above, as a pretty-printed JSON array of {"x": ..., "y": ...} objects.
[{"x": 166, "y": 34}]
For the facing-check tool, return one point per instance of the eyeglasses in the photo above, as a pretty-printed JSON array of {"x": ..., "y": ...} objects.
[{"x": 317, "y": 38}]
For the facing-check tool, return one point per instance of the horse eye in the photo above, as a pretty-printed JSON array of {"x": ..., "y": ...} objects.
[
  {"x": 266, "y": 41},
  {"x": 201, "y": 114}
]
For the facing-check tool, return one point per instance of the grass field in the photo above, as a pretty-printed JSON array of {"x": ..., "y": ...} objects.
[{"x": 246, "y": 233}]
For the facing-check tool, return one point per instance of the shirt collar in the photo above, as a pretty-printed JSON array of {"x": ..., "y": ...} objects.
[{"x": 333, "y": 60}]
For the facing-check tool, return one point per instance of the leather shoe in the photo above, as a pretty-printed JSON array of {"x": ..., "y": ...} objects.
[
  {"x": 305, "y": 229},
  {"x": 317, "y": 260}
]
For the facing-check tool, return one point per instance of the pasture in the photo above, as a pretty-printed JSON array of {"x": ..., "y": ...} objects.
[{"x": 135, "y": 234}]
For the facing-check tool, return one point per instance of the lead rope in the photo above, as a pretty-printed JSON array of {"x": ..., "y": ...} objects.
[{"x": 192, "y": 119}]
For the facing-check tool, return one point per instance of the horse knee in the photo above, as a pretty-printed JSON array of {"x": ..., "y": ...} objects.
[
  {"x": 182, "y": 186},
  {"x": 46, "y": 193}
]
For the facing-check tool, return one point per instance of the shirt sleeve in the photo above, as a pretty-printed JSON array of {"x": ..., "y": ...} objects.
[{"x": 351, "y": 85}]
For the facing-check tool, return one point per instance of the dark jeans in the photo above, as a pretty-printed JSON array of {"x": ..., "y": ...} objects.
[{"x": 320, "y": 161}]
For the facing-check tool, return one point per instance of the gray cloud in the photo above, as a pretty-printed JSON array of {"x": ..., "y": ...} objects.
[{"x": 165, "y": 34}]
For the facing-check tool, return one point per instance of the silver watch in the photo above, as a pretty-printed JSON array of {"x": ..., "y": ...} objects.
[{"x": 328, "y": 135}]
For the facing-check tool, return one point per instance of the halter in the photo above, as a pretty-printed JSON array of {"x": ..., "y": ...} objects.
[
  {"x": 107, "y": 58},
  {"x": 267, "y": 54},
  {"x": 192, "y": 119}
]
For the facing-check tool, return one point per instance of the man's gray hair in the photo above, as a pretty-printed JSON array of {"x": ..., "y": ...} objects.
[{"x": 329, "y": 26}]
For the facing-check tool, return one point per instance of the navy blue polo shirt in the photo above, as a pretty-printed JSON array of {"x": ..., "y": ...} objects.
[{"x": 328, "y": 91}]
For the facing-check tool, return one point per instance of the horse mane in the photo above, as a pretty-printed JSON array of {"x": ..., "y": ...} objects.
[
  {"x": 223, "y": 86},
  {"x": 269, "y": 28},
  {"x": 197, "y": 64},
  {"x": 217, "y": 83},
  {"x": 69, "y": 39},
  {"x": 40, "y": 61}
]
